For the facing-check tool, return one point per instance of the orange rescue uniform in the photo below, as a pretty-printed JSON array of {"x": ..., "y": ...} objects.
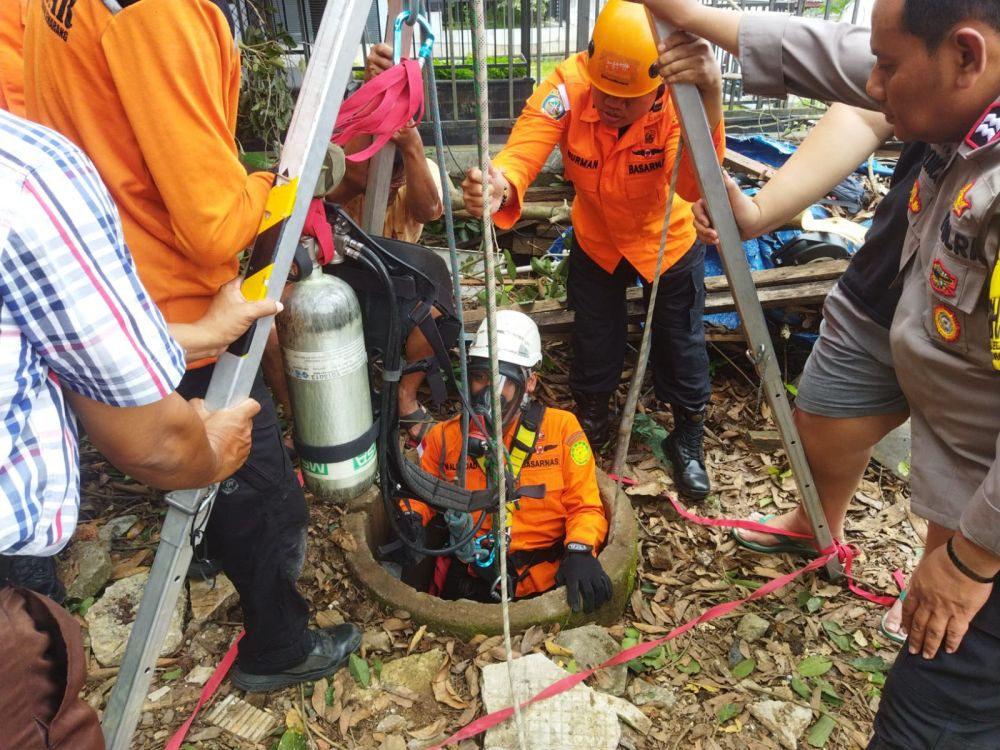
[
  {"x": 571, "y": 510},
  {"x": 621, "y": 183},
  {"x": 150, "y": 93},
  {"x": 12, "y": 14}
]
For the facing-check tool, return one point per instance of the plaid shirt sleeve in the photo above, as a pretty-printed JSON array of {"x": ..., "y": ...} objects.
[{"x": 71, "y": 284}]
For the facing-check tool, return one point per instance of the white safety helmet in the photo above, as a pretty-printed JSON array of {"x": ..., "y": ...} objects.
[{"x": 518, "y": 342}]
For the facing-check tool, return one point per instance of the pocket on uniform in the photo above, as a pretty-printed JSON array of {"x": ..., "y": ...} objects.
[{"x": 955, "y": 280}]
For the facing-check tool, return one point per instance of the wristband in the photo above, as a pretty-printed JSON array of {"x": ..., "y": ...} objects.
[
  {"x": 579, "y": 547},
  {"x": 962, "y": 567}
]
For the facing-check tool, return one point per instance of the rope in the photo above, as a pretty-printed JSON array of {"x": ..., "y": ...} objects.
[
  {"x": 634, "y": 388},
  {"x": 500, "y": 528},
  {"x": 456, "y": 272}
]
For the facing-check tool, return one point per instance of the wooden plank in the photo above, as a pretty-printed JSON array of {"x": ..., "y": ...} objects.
[
  {"x": 717, "y": 287},
  {"x": 766, "y": 441},
  {"x": 556, "y": 319},
  {"x": 740, "y": 163}
]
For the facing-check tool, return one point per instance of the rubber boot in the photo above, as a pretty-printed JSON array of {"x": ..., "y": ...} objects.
[
  {"x": 592, "y": 411},
  {"x": 685, "y": 447}
]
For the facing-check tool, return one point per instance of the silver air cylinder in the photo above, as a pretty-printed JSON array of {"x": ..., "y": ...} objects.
[{"x": 323, "y": 342}]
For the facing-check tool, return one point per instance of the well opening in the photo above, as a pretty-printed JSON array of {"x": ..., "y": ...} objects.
[{"x": 366, "y": 521}]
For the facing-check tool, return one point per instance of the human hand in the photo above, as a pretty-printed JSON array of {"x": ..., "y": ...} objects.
[
  {"x": 745, "y": 210},
  {"x": 584, "y": 577},
  {"x": 941, "y": 602},
  {"x": 408, "y": 137},
  {"x": 230, "y": 315},
  {"x": 229, "y": 434},
  {"x": 685, "y": 58},
  {"x": 472, "y": 190},
  {"x": 676, "y": 13},
  {"x": 379, "y": 60}
]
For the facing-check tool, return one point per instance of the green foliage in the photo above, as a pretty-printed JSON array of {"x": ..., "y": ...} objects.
[
  {"x": 359, "y": 670},
  {"x": 497, "y": 68},
  {"x": 838, "y": 635},
  {"x": 728, "y": 712},
  {"x": 172, "y": 674},
  {"x": 266, "y": 102},
  {"x": 743, "y": 669},
  {"x": 292, "y": 740},
  {"x": 813, "y": 666},
  {"x": 820, "y": 732},
  {"x": 80, "y": 606}
]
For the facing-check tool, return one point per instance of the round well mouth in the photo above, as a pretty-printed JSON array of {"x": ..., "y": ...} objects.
[{"x": 366, "y": 521}]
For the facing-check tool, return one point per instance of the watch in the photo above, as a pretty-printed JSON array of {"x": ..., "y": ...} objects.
[{"x": 579, "y": 547}]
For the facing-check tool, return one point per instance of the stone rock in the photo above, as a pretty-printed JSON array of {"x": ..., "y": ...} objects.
[
  {"x": 661, "y": 557},
  {"x": 580, "y": 717},
  {"x": 592, "y": 645},
  {"x": 110, "y": 620},
  {"x": 209, "y": 643},
  {"x": 391, "y": 723},
  {"x": 786, "y": 721},
  {"x": 86, "y": 569},
  {"x": 752, "y": 628},
  {"x": 645, "y": 693},
  {"x": 116, "y": 528},
  {"x": 199, "y": 675},
  {"x": 414, "y": 672},
  {"x": 209, "y": 598},
  {"x": 376, "y": 640}
]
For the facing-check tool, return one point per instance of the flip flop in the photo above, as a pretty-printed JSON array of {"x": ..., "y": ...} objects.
[
  {"x": 785, "y": 543},
  {"x": 418, "y": 417},
  {"x": 895, "y": 637}
]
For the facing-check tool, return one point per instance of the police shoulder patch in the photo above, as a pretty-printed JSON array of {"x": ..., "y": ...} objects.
[
  {"x": 987, "y": 128},
  {"x": 580, "y": 452}
]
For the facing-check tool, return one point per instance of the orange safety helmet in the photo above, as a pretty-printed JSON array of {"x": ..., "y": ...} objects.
[{"x": 622, "y": 56}]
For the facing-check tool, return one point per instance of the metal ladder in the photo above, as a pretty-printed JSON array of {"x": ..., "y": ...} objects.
[
  {"x": 698, "y": 138},
  {"x": 281, "y": 226}
]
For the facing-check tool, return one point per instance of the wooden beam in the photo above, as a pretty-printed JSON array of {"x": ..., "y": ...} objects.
[{"x": 806, "y": 284}]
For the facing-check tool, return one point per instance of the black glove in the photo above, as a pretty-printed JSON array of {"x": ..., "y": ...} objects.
[{"x": 583, "y": 576}]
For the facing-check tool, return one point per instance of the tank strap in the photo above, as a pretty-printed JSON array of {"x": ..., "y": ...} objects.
[{"x": 334, "y": 454}]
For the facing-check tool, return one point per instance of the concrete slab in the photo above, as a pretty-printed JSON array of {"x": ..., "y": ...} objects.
[{"x": 893, "y": 451}]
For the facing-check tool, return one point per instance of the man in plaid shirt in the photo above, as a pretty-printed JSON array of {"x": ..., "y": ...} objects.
[{"x": 79, "y": 338}]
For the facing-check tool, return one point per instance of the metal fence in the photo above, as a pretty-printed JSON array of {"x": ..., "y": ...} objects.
[{"x": 526, "y": 38}]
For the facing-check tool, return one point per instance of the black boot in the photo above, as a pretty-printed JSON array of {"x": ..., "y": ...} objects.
[
  {"x": 592, "y": 411},
  {"x": 685, "y": 447}
]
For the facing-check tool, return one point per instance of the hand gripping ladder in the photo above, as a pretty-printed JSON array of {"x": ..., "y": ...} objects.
[
  {"x": 698, "y": 137},
  {"x": 281, "y": 225}
]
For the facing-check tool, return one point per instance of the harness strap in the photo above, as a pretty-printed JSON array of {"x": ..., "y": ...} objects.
[{"x": 333, "y": 454}]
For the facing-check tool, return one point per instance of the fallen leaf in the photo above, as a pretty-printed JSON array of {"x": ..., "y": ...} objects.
[
  {"x": 344, "y": 539},
  {"x": 416, "y": 639},
  {"x": 431, "y": 730},
  {"x": 821, "y": 730},
  {"x": 293, "y": 721},
  {"x": 555, "y": 649},
  {"x": 318, "y": 699}
]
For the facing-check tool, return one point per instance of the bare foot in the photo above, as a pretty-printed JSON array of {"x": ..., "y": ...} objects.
[
  {"x": 790, "y": 521},
  {"x": 894, "y": 618}
]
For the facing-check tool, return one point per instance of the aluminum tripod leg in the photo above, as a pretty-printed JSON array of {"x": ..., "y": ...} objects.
[
  {"x": 301, "y": 158},
  {"x": 698, "y": 136}
]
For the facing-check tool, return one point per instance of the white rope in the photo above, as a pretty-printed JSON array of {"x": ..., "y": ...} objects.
[
  {"x": 635, "y": 387},
  {"x": 482, "y": 112}
]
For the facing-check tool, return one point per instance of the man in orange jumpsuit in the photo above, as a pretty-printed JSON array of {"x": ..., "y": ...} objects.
[
  {"x": 149, "y": 89},
  {"x": 556, "y": 532},
  {"x": 610, "y": 115}
]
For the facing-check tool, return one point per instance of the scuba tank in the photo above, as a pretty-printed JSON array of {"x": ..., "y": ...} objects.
[{"x": 322, "y": 339}]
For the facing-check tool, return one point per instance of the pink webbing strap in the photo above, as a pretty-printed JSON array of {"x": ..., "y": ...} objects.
[
  {"x": 491, "y": 720},
  {"x": 845, "y": 552},
  {"x": 391, "y": 100},
  {"x": 210, "y": 687},
  {"x": 318, "y": 227}
]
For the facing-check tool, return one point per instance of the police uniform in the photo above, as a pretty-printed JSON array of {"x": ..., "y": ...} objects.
[
  {"x": 941, "y": 341},
  {"x": 570, "y": 511},
  {"x": 621, "y": 182}
]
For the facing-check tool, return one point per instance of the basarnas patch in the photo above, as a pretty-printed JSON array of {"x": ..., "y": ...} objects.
[
  {"x": 552, "y": 105},
  {"x": 580, "y": 452}
]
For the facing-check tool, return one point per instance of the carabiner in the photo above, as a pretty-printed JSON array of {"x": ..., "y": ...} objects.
[
  {"x": 480, "y": 553},
  {"x": 411, "y": 18}
]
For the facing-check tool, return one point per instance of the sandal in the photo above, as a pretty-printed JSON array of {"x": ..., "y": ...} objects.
[
  {"x": 419, "y": 417},
  {"x": 785, "y": 543},
  {"x": 892, "y": 635}
]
